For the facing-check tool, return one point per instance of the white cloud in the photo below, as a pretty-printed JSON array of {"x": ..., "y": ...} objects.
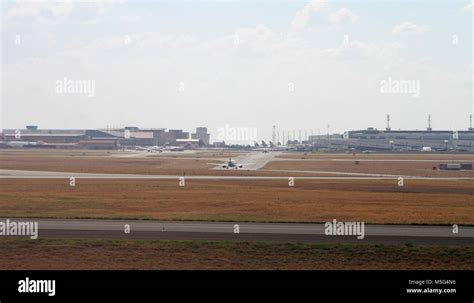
[
  {"x": 39, "y": 9},
  {"x": 253, "y": 74},
  {"x": 343, "y": 15},
  {"x": 385, "y": 53},
  {"x": 102, "y": 5},
  {"x": 50, "y": 11},
  {"x": 469, "y": 7},
  {"x": 328, "y": 20},
  {"x": 130, "y": 18},
  {"x": 303, "y": 16},
  {"x": 409, "y": 28}
]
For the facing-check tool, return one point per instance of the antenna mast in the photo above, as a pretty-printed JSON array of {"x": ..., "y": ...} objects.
[{"x": 388, "y": 123}]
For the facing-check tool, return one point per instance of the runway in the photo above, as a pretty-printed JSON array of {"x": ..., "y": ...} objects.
[
  {"x": 324, "y": 172},
  {"x": 24, "y": 174},
  {"x": 286, "y": 232}
]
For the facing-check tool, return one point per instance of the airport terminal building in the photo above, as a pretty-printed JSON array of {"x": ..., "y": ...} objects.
[
  {"x": 34, "y": 137},
  {"x": 372, "y": 139}
]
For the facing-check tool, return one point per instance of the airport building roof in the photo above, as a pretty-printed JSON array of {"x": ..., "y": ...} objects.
[{"x": 45, "y": 132}]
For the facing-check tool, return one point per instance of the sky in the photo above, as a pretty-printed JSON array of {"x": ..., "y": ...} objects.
[{"x": 298, "y": 65}]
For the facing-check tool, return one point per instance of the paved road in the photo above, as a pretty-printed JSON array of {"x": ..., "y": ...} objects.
[
  {"x": 325, "y": 172},
  {"x": 24, "y": 174},
  {"x": 288, "y": 232}
]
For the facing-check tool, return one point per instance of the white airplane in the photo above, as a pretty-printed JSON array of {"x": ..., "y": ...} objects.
[
  {"x": 159, "y": 149},
  {"x": 172, "y": 148},
  {"x": 149, "y": 149},
  {"x": 231, "y": 164},
  {"x": 139, "y": 148},
  {"x": 21, "y": 143}
]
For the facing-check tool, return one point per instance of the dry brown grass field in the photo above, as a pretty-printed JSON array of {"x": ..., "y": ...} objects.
[
  {"x": 374, "y": 164},
  {"x": 381, "y": 201},
  {"x": 100, "y": 162},
  {"x": 76, "y": 254},
  {"x": 168, "y": 163},
  {"x": 200, "y": 163},
  {"x": 422, "y": 202},
  {"x": 382, "y": 156}
]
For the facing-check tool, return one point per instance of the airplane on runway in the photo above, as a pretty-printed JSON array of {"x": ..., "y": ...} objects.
[
  {"x": 149, "y": 149},
  {"x": 172, "y": 148},
  {"x": 231, "y": 164},
  {"x": 160, "y": 149},
  {"x": 22, "y": 143}
]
